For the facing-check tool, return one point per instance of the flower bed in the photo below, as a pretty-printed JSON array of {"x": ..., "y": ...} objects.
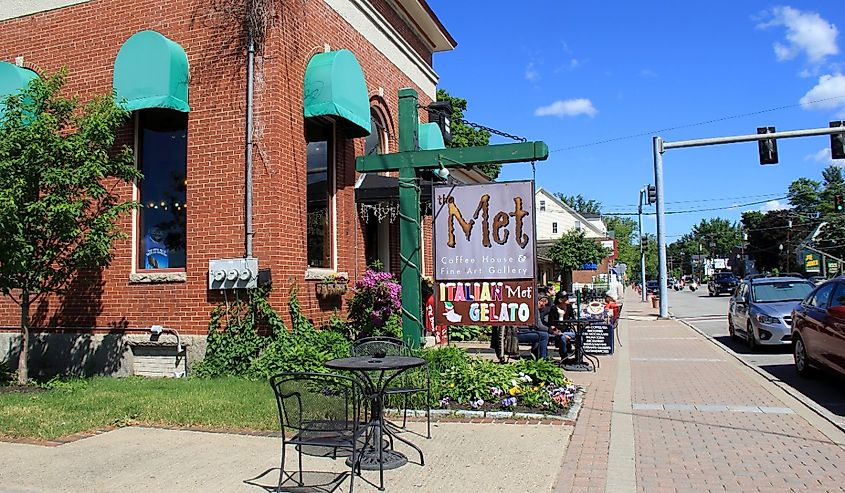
[{"x": 461, "y": 382}]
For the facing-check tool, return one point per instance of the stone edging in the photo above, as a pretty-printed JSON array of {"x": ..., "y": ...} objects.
[{"x": 464, "y": 415}]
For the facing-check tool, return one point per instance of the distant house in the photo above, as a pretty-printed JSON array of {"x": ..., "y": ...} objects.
[{"x": 554, "y": 218}]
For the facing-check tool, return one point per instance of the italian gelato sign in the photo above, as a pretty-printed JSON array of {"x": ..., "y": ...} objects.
[
  {"x": 484, "y": 254},
  {"x": 485, "y": 303},
  {"x": 484, "y": 231}
]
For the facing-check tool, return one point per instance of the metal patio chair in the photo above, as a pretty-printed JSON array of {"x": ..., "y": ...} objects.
[
  {"x": 416, "y": 381},
  {"x": 319, "y": 412}
]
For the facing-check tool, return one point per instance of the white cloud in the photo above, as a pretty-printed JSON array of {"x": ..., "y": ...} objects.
[
  {"x": 569, "y": 107},
  {"x": 806, "y": 32},
  {"x": 773, "y": 205},
  {"x": 531, "y": 72},
  {"x": 648, "y": 73},
  {"x": 823, "y": 156},
  {"x": 828, "y": 94}
]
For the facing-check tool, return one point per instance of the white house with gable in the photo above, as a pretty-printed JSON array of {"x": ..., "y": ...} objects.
[{"x": 554, "y": 218}]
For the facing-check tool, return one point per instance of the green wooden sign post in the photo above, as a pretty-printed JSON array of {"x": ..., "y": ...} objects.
[{"x": 407, "y": 161}]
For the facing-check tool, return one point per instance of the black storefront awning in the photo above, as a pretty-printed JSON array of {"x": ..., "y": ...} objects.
[{"x": 372, "y": 188}]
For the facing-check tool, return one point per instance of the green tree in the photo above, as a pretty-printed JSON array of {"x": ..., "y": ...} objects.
[
  {"x": 832, "y": 185},
  {"x": 768, "y": 231},
  {"x": 58, "y": 209},
  {"x": 572, "y": 250},
  {"x": 464, "y": 135},
  {"x": 580, "y": 204},
  {"x": 627, "y": 242},
  {"x": 804, "y": 196}
]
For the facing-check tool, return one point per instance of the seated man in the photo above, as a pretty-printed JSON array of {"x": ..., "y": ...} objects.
[
  {"x": 562, "y": 331},
  {"x": 538, "y": 335}
]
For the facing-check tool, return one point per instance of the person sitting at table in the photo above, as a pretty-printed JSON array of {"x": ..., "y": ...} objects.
[
  {"x": 613, "y": 309},
  {"x": 561, "y": 330},
  {"x": 537, "y": 336}
]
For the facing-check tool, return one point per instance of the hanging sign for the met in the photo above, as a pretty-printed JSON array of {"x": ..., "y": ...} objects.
[{"x": 484, "y": 254}]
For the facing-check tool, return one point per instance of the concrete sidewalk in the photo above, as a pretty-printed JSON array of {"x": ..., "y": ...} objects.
[
  {"x": 460, "y": 457},
  {"x": 670, "y": 411}
]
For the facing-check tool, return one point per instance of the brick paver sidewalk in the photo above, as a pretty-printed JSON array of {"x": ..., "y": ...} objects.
[{"x": 701, "y": 422}]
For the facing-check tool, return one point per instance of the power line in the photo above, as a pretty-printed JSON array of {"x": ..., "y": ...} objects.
[
  {"x": 735, "y": 206},
  {"x": 697, "y": 124},
  {"x": 618, "y": 206}
]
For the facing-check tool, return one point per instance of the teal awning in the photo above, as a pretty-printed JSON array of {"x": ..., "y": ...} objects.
[
  {"x": 335, "y": 86},
  {"x": 431, "y": 137},
  {"x": 13, "y": 79},
  {"x": 151, "y": 71}
]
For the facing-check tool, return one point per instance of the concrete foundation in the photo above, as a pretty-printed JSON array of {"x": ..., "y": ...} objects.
[{"x": 115, "y": 354}]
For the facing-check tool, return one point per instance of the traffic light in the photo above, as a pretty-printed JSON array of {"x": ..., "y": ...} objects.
[
  {"x": 652, "y": 194},
  {"x": 838, "y": 204},
  {"x": 768, "y": 148},
  {"x": 837, "y": 142},
  {"x": 644, "y": 242}
]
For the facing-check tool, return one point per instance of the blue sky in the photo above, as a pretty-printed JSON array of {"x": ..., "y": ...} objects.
[{"x": 575, "y": 74}]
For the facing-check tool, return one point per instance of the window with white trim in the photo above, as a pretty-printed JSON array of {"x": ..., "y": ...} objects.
[
  {"x": 319, "y": 192},
  {"x": 554, "y": 228},
  {"x": 162, "y": 157}
]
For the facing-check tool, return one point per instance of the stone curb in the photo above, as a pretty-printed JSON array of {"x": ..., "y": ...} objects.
[
  {"x": 801, "y": 398},
  {"x": 464, "y": 415}
]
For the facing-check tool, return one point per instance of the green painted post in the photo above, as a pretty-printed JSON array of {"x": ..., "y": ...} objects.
[
  {"x": 407, "y": 161},
  {"x": 409, "y": 221}
]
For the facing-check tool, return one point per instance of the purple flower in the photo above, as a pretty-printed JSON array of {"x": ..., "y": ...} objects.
[{"x": 509, "y": 401}]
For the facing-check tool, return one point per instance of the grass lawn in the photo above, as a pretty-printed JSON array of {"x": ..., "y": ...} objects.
[{"x": 83, "y": 405}]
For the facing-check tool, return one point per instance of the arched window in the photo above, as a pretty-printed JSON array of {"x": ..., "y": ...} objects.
[{"x": 376, "y": 142}]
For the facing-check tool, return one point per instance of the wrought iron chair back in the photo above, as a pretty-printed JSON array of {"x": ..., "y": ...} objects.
[
  {"x": 380, "y": 345},
  {"x": 415, "y": 381},
  {"x": 321, "y": 411}
]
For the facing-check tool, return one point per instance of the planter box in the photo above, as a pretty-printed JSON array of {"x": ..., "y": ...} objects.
[{"x": 329, "y": 289}]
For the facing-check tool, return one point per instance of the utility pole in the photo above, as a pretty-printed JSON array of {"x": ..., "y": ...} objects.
[
  {"x": 659, "y": 147},
  {"x": 661, "y": 227}
]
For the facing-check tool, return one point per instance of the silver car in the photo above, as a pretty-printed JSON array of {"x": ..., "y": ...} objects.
[{"x": 760, "y": 309}]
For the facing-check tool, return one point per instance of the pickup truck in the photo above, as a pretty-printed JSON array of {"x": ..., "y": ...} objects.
[{"x": 722, "y": 282}]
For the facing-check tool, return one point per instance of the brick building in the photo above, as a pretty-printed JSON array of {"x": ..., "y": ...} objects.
[{"x": 325, "y": 90}]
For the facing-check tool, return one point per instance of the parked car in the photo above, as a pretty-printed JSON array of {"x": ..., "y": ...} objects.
[
  {"x": 760, "y": 311},
  {"x": 817, "y": 279},
  {"x": 652, "y": 287},
  {"x": 818, "y": 331},
  {"x": 722, "y": 282}
]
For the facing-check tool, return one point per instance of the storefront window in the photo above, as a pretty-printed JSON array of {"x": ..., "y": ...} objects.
[
  {"x": 162, "y": 158},
  {"x": 319, "y": 212}
]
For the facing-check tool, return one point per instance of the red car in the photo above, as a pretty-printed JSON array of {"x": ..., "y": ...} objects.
[{"x": 818, "y": 329}]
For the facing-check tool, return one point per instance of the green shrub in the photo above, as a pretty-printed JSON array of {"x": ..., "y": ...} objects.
[
  {"x": 236, "y": 348},
  {"x": 466, "y": 332},
  {"x": 6, "y": 373},
  {"x": 233, "y": 336},
  {"x": 541, "y": 371}
]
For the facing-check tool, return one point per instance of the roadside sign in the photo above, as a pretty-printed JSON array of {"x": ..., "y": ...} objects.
[{"x": 812, "y": 262}]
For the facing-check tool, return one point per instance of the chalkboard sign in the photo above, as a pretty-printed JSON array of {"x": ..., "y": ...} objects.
[{"x": 597, "y": 339}]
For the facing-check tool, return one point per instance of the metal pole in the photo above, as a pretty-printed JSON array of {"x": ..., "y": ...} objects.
[
  {"x": 661, "y": 227},
  {"x": 642, "y": 250},
  {"x": 250, "y": 73},
  {"x": 409, "y": 221}
]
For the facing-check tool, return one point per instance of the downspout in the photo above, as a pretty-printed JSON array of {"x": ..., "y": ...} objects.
[{"x": 250, "y": 75}]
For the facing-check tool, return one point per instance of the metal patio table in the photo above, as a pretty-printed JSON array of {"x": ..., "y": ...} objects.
[
  {"x": 580, "y": 355},
  {"x": 376, "y": 374}
]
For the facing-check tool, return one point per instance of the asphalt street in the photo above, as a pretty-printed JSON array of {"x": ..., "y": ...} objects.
[{"x": 709, "y": 315}]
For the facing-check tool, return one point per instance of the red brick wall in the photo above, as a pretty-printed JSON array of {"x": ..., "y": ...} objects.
[{"x": 86, "y": 38}]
